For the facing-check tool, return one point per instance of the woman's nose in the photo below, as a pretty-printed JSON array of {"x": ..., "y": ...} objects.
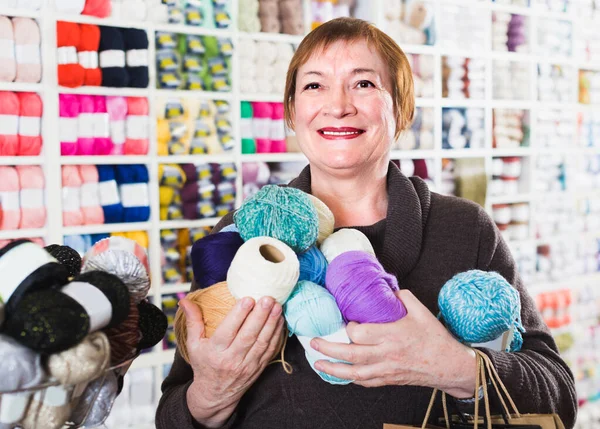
[{"x": 339, "y": 103}]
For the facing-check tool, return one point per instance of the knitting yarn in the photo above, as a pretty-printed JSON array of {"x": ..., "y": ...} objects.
[
  {"x": 124, "y": 258},
  {"x": 286, "y": 214},
  {"x": 326, "y": 219},
  {"x": 313, "y": 266},
  {"x": 135, "y": 195},
  {"x": 215, "y": 303},
  {"x": 82, "y": 363},
  {"x": 86, "y": 125},
  {"x": 263, "y": 266},
  {"x": 345, "y": 240},
  {"x": 153, "y": 325},
  {"x": 70, "y": 73},
  {"x": 7, "y": 55},
  {"x": 212, "y": 257},
  {"x": 117, "y": 113},
  {"x": 102, "y": 143},
  {"x": 30, "y": 121},
  {"x": 49, "y": 408},
  {"x": 9, "y": 115},
  {"x": 10, "y": 209},
  {"x": 27, "y": 50},
  {"x": 96, "y": 401},
  {"x": 137, "y": 126},
  {"x": 90, "y": 195},
  {"x": 479, "y": 306},
  {"x": 31, "y": 196},
  {"x": 66, "y": 256},
  {"x": 68, "y": 124},
  {"x": 230, "y": 228},
  {"x": 71, "y": 195},
  {"x": 97, "y": 8},
  {"x": 136, "y": 47},
  {"x": 311, "y": 311},
  {"x": 112, "y": 57},
  {"x": 125, "y": 337},
  {"x": 110, "y": 199},
  {"x": 363, "y": 290},
  {"x": 87, "y": 54}
]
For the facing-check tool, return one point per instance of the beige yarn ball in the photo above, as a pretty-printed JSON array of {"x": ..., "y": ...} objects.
[
  {"x": 326, "y": 219},
  {"x": 345, "y": 240}
]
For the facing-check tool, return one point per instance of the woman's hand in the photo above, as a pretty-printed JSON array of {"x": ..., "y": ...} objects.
[
  {"x": 227, "y": 364},
  {"x": 416, "y": 350}
]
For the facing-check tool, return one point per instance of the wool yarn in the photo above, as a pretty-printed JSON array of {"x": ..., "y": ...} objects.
[
  {"x": 125, "y": 337},
  {"x": 117, "y": 113},
  {"x": 87, "y": 54},
  {"x": 263, "y": 266},
  {"x": 136, "y": 47},
  {"x": 230, "y": 228},
  {"x": 78, "y": 242},
  {"x": 344, "y": 240},
  {"x": 311, "y": 311},
  {"x": 68, "y": 124},
  {"x": 31, "y": 198},
  {"x": 30, "y": 124},
  {"x": 261, "y": 124},
  {"x": 284, "y": 213},
  {"x": 27, "y": 50},
  {"x": 135, "y": 194},
  {"x": 10, "y": 209},
  {"x": 82, "y": 363},
  {"x": 363, "y": 290},
  {"x": 49, "y": 408},
  {"x": 70, "y": 73},
  {"x": 86, "y": 125},
  {"x": 111, "y": 53},
  {"x": 96, "y": 401},
  {"x": 326, "y": 219},
  {"x": 247, "y": 134},
  {"x": 90, "y": 195},
  {"x": 153, "y": 325},
  {"x": 277, "y": 133},
  {"x": 66, "y": 256},
  {"x": 71, "y": 196},
  {"x": 102, "y": 143},
  {"x": 9, "y": 120},
  {"x": 479, "y": 306},
  {"x": 7, "y": 54},
  {"x": 313, "y": 266},
  {"x": 137, "y": 126},
  {"x": 212, "y": 256},
  {"x": 214, "y": 302},
  {"x": 97, "y": 8},
  {"x": 110, "y": 200}
]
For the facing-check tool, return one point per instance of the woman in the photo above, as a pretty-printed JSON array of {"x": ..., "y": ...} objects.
[{"x": 349, "y": 93}]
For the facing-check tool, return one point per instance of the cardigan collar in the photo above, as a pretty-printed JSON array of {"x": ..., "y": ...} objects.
[{"x": 408, "y": 209}]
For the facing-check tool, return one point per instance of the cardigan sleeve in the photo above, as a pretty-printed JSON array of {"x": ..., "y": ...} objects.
[{"x": 538, "y": 380}]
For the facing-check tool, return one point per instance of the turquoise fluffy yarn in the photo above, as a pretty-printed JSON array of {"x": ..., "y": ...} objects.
[
  {"x": 311, "y": 311},
  {"x": 286, "y": 214},
  {"x": 313, "y": 266},
  {"x": 479, "y": 306}
]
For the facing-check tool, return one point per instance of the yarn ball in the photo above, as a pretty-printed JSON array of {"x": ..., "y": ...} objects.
[
  {"x": 345, "y": 240},
  {"x": 230, "y": 228},
  {"x": 263, "y": 266},
  {"x": 67, "y": 256},
  {"x": 49, "y": 409},
  {"x": 48, "y": 322},
  {"x": 115, "y": 291},
  {"x": 153, "y": 325},
  {"x": 125, "y": 337},
  {"x": 96, "y": 401},
  {"x": 326, "y": 219},
  {"x": 212, "y": 256},
  {"x": 286, "y": 214},
  {"x": 214, "y": 302},
  {"x": 363, "y": 290},
  {"x": 20, "y": 367},
  {"x": 311, "y": 311},
  {"x": 313, "y": 266},
  {"x": 82, "y": 363},
  {"x": 479, "y": 306}
]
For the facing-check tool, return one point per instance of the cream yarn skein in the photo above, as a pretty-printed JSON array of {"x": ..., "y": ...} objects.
[
  {"x": 345, "y": 240},
  {"x": 326, "y": 219}
]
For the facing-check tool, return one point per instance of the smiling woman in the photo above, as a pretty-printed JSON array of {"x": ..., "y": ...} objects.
[{"x": 349, "y": 93}]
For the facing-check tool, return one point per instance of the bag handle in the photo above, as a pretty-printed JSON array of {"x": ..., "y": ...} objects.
[{"x": 497, "y": 381}]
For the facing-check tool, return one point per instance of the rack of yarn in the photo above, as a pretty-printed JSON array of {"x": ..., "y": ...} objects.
[
  {"x": 271, "y": 16},
  {"x": 70, "y": 328}
]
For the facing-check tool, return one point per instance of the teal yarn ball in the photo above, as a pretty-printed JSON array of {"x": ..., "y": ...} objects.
[
  {"x": 311, "y": 311},
  {"x": 284, "y": 213},
  {"x": 479, "y": 306},
  {"x": 313, "y": 266}
]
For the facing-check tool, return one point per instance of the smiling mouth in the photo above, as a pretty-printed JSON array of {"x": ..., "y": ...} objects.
[{"x": 340, "y": 133}]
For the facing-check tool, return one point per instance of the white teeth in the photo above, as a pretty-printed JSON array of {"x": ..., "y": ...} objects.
[{"x": 339, "y": 133}]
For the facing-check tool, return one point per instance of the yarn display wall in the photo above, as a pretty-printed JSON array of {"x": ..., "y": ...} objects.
[
  {"x": 510, "y": 80},
  {"x": 84, "y": 242},
  {"x": 265, "y": 66},
  {"x": 555, "y": 83},
  {"x": 419, "y": 136},
  {"x": 200, "y": 63},
  {"x": 589, "y": 87},
  {"x": 588, "y": 129},
  {"x": 509, "y": 176},
  {"x": 285, "y": 16},
  {"x": 423, "y": 69},
  {"x": 326, "y": 10},
  {"x": 203, "y": 13},
  {"x": 465, "y": 177},
  {"x": 554, "y": 38},
  {"x": 194, "y": 127},
  {"x": 511, "y": 128},
  {"x": 512, "y": 220},
  {"x": 176, "y": 248},
  {"x": 263, "y": 128},
  {"x": 462, "y": 28},
  {"x": 410, "y": 22},
  {"x": 21, "y": 53},
  {"x": 463, "y": 78},
  {"x": 551, "y": 173},
  {"x": 463, "y": 128},
  {"x": 257, "y": 174},
  {"x": 510, "y": 32},
  {"x": 21, "y": 130},
  {"x": 22, "y": 197}
]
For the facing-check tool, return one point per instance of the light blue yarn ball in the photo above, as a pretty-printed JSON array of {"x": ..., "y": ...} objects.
[
  {"x": 230, "y": 228},
  {"x": 311, "y": 311},
  {"x": 313, "y": 266},
  {"x": 286, "y": 214},
  {"x": 479, "y": 306}
]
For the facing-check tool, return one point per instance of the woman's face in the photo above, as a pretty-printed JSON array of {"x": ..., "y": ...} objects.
[{"x": 344, "y": 113}]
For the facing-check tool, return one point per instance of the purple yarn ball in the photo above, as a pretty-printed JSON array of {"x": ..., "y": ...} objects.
[
  {"x": 212, "y": 256},
  {"x": 363, "y": 290}
]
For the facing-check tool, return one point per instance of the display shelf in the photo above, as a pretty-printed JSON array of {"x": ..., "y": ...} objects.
[
  {"x": 418, "y": 49},
  {"x": 274, "y": 157},
  {"x": 21, "y": 160},
  {"x": 462, "y": 102},
  {"x": 152, "y": 359},
  {"x": 464, "y": 153},
  {"x": 193, "y": 30},
  {"x": 509, "y": 199},
  {"x": 425, "y": 102},
  {"x": 568, "y": 236},
  {"x": 106, "y": 228},
  {"x": 511, "y": 104},
  {"x": 191, "y": 159},
  {"x": 104, "y": 90},
  {"x": 266, "y": 98},
  {"x": 21, "y": 86},
  {"x": 186, "y": 223},
  {"x": 22, "y": 233},
  {"x": 24, "y": 13},
  {"x": 184, "y": 93},
  {"x": 412, "y": 154},
  {"x": 271, "y": 37},
  {"x": 509, "y": 8},
  {"x": 538, "y": 287},
  {"x": 518, "y": 151},
  {"x": 513, "y": 57},
  {"x": 176, "y": 288},
  {"x": 112, "y": 22},
  {"x": 104, "y": 159}
]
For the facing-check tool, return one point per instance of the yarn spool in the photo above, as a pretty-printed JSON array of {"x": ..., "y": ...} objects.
[
  {"x": 311, "y": 311},
  {"x": 214, "y": 302},
  {"x": 125, "y": 337},
  {"x": 313, "y": 266},
  {"x": 326, "y": 219},
  {"x": 96, "y": 401},
  {"x": 345, "y": 240},
  {"x": 82, "y": 363},
  {"x": 66, "y": 256},
  {"x": 263, "y": 266},
  {"x": 363, "y": 290},
  {"x": 212, "y": 257},
  {"x": 286, "y": 214},
  {"x": 479, "y": 306},
  {"x": 153, "y": 325}
]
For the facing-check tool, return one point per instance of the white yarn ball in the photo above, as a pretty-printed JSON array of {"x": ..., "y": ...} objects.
[
  {"x": 263, "y": 266},
  {"x": 267, "y": 50},
  {"x": 326, "y": 219},
  {"x": 247, "y": 49},
  {"x": 345, "y": 240}
]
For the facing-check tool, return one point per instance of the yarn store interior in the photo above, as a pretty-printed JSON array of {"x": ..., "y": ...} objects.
[{"x": 129, "y": 128}]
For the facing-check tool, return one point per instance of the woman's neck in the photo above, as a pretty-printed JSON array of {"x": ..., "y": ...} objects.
[{"x": 357, "y": 200}]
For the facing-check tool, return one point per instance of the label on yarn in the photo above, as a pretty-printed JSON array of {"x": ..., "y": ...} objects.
[
  {"x": 89, "y": 195},
  {"x": 32, "y": 198},
  {"x": 71, "y": 199},
  {"x": 9, "y": 125},
  {"x": 66, "y": 55},
  {"x": 112, "y": 58},
  {"x": 135, "y": 195},
  {"x": 67, "y": 129},
  {"x": 28, "y": 54},
  {"x": 119, "y": 243},
  {"x": 137, "y": 58},
  {"x": 500, "y": 344},
  {"x": 88, "y": 59},
  {"x": 85, "y": 125},
  {"x": 95, "y": 303},
  {"x": 277, "y": 130},
  {"x": 7, "y": 48},
  {"x": 246, "y": 128},
  {"x": 109, "y": 194},
  {"x": 101, "y": 125},
  {"x": 261, "y": 128},
  {"x": 30, "y": 126},
  {"x": 337, "y": 337},
  {"x": 10, "y": 200},
  {"x": 117, "y": 132},
  {"x": 53, "y": 396},
  {"x": 18, "y": 263},
  {"x": 137, "y": 127}
]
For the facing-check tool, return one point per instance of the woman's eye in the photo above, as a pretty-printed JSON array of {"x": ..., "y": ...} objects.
[
  {"x": 312, "y": 86},
  {"x": 365, "y": 84}
]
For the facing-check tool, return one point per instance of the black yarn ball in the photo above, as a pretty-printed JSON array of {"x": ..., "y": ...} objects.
[
  {"x": 114, "y": 290},
  {"x": 47, "y": 322},
  {"x": 153, "y": 325},
  {"x": 67, "y": 256}
]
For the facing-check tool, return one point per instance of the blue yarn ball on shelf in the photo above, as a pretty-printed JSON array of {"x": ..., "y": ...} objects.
[
  {"x": 313, "y": 266},
  {"x": 479, "y": 306},
  {"x": 284, "y": 213}
]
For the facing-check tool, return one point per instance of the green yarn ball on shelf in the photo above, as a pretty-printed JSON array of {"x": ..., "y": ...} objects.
[{"x": 286, "y": 214}]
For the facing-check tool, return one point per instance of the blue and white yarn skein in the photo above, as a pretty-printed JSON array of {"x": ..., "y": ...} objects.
[{"x": 479, "y": 307}]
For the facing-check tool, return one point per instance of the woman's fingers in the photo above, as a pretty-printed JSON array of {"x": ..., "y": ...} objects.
[
  {"x": 264, "y": 339},
  {"x": 228, "y": 329},
  {"x": 253, "y": 325},
  {"x": 194, "y": 321}
]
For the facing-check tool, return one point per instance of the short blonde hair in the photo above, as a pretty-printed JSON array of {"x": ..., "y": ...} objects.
[{"x": 351, "y": 30}]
